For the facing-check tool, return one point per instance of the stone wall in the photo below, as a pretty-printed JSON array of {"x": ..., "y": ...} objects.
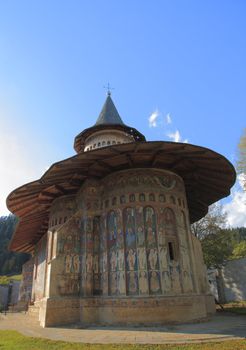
[{"x": 127, "y": 240}]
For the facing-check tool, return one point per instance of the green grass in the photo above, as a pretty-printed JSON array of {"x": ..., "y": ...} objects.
[
  {"x": 7, "y": 279},
  {"x": 12, "y": 340},
  {"x": 238, "y": 307}
]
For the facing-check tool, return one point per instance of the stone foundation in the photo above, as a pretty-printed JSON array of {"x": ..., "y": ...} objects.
[{"x": 126, "y": 311}]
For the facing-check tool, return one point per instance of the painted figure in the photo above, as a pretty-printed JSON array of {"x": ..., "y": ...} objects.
[
  {"x": 143, "y": 283},
  {"x": 163, "y": 258},
  {"x": 161, "y": 236},
  {"x": 131, "y": 259},
  {"x": 154, "y": 282},
  {"x": 166, "y": 282},
  {"x": 113, "y": 283},
  {"x": 76, "y": 263},
  {"x": 120, "y": 259},
  {"x": 68, "y": 263},
  {"x": 152, "y": 259},
  {"x": 132, "y": 283},
  {"x": 142, "y": 259},
  {"x": 113, "y": 261},
  {"x": 140, "y": 236},
  {"x": 89, "y": 262},
  {"x": 121, "y": 282}
]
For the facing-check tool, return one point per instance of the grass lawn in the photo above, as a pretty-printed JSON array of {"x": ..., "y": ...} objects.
[{"x": 12, "y": 340}]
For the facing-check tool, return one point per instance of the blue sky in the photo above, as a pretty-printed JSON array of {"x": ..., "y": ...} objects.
[{"x": 182, "y": 58}]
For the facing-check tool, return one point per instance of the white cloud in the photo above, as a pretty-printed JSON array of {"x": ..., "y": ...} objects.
[
  {"x": 236, "y": 209},
  {"x": 176, "y": 137},
  {"x": 168, "y": 119},
  {"x": 153, "y": 119}
]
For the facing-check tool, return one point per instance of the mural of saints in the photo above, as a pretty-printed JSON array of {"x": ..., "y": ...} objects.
[
  {"x": 142, "y": 259},
  {"x": 76, "y": 263},
  {"x": 154, "y": 281},
  {"x": 68, "y": 263},
  {"x": 132, "y": 283},
  {"x": 163, "y": 258},
  {"x": 152, "y": 259},
  {"x": 129, "y": 218},
  {"x": 170, "y": 222},
  {"x": 140, "y": 227},
  {"x": 112, "y": 230},
  {"x": 166, "y": 282},
  {"x": 131, "y": 260},
  {"x": 150, "y": 226},
  {"x": 143, "y": 283},
  {"x": 121, "y": 282},
  {"x": 120, "y": 260}
]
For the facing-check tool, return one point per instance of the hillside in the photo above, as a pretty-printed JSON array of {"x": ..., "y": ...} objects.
[{"x": 10, "y": 262}]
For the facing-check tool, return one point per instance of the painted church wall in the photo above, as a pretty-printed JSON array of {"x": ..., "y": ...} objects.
[{"x": 39, "y": 269}]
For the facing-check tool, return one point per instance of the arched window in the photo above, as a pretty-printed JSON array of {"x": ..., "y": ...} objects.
[
  {"x": 99, "y": 144},
  {"x": 132, "y": 197},
  {"x": 122, "y": 199},
  {"x": 162, "y": 198},
  {"x": 114, "y": 201},
  {"x": 142, "y": 197},
  {"x": 103, "y": 143},
  {"x": 151, "y": 197},
  {"x": 114, "y": 142},
  {"x": 108, "y": 143}
]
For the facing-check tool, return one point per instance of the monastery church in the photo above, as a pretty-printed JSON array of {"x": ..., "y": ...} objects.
[{"x": 108, "y": 230}]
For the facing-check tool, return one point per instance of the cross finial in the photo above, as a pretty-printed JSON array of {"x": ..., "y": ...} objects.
[{"x": 109, "y": 89}]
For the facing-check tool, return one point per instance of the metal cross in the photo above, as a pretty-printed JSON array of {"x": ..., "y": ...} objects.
[{"x": 109, "y": 88}]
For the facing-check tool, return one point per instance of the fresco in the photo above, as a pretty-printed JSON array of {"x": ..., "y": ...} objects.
[{"x": 130, "y": 251}]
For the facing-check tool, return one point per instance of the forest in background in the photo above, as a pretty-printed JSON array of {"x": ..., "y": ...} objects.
[{"x": 10, "y": 262}]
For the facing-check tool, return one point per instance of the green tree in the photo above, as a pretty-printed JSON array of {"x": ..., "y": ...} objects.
[
  {"x": 212, "y": 223},
  {"x": 239, "y": 250},
  {"x": 217, "y": 247}
]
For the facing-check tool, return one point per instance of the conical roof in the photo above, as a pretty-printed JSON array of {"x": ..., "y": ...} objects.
[
  {"x": 108, "y": 118},
  {"x": 109, "y": 114}
]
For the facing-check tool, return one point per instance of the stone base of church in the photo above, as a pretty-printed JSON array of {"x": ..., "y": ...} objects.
[{"x": 125, "y": 311}]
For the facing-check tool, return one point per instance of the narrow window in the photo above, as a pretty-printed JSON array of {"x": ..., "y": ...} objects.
[{"x": 171, "y": 251}]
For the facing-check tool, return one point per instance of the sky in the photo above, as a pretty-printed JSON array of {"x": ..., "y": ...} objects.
[{"x": 177, "y": 69}]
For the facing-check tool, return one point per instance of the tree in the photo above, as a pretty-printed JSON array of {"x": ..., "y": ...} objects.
[
  {"x": 217, "y": 248},
  {"x": 213, "y": 222},
  {"x": 239, "y": 250},
  {"x": 241, "y": 164}
]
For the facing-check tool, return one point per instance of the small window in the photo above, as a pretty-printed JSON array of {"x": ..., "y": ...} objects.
[
  {"x": 151, "y": 197},
  {"x": 122, "y": 199},
  {"x": 114, "y": 201},
  {"x": 118, "y": 142},
  {"x": 142, "y": 197},
  {"x": 171, "y": 251},
  {"x": 132, "y": 197},
  {"x": 108, "y": 143},
  {"x": 103, "y": 143},
  {"x": 114, "y": 142},
  {"x": 162, "y": 198},
  {"x": 99, "y": 144}
]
